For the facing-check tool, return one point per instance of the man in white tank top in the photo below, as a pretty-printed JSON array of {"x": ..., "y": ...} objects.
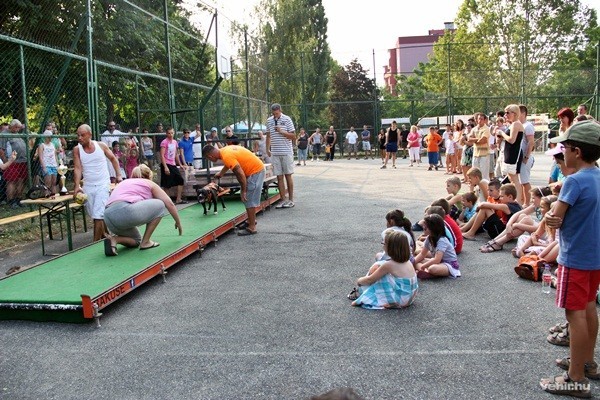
[{"x": 89, "y": 159}]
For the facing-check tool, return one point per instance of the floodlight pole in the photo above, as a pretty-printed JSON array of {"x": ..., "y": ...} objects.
[
  {"x": 169, "y": 65},
  {"x": 249, "y": 115}
]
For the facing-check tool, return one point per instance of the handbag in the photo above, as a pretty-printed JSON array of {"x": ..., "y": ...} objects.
[{"x": 38, "y": 192}]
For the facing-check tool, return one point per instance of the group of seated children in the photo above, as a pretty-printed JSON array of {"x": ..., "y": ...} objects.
[
  {"x": 391, "y": 282},
  {"x": 489, "y": 206}
]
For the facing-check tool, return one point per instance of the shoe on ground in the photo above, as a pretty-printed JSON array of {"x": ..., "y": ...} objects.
[
  {"x": 591, "y": 369},
  {"x": 565, "y": 386},
  {"x": 416, "y": 227}
]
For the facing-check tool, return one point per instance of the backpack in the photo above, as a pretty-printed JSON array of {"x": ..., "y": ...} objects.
[{"x": 530, "y": 267}]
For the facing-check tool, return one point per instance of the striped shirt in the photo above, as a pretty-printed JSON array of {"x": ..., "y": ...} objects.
[{"x": 280, "y": 145}]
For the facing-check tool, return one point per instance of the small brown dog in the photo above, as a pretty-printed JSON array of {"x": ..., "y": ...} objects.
[{"x": 209, "y": 194}]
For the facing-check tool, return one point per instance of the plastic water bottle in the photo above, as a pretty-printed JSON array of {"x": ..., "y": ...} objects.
[{"x": 546, "y": 279}]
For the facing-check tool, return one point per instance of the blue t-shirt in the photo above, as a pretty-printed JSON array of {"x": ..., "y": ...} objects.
[
  {"x": 470, "y": 212},
  {"x": 188, "y": 151},
  {"x": 580, "y": 230}
]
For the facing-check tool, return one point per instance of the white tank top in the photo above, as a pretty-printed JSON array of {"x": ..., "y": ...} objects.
[
  {"x": 49, "y": 155},
  {"x": 94, "y": 166}
]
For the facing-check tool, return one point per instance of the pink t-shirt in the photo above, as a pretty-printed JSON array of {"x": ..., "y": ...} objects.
[
  {"x": 170, "y": 150},
  {"x": 413, "y": 136},
  {"x": 131, "y": 190}
]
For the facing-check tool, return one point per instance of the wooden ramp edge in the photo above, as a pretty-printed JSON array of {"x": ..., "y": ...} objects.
[{"x": 90, "y": 307}]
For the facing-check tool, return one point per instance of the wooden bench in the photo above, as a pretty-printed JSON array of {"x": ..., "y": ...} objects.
[{"x": 74, "y": 207}]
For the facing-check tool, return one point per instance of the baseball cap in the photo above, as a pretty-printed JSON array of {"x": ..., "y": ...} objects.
[
  {"x": 213, "y": 129},
  {"x": 47, "y": 133},
  {"x": 556, "y": 150},
  {"x": 584, "y": 131},
  {"x": 275, "y": 106}
]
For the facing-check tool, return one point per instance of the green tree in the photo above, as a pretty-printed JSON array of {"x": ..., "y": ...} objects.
[
  {"x": 291, "y": 44},
  {"x": 355, "y": 94},
  {"x": 122, "y": 35},
  {"x": 495, "y": 40}
]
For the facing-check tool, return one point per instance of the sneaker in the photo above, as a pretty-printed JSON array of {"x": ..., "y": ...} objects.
[
  {"x": 298, "y": 164},
  {"x": 383, "y": 167},
  {"x": 393, "y": 166},
  {"x": 288, "y": 204},
  {"x": 280, "y": 205}
]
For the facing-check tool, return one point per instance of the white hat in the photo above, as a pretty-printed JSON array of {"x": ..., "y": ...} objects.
[
  {"x": 15, "y": 122},
  {"x": 47, "y": 133}
]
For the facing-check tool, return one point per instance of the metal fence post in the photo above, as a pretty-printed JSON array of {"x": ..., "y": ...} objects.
[{"x": 169, "y": 66}]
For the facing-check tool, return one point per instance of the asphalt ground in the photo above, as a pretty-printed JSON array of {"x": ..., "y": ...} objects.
[{"x": 266, "y": 316}]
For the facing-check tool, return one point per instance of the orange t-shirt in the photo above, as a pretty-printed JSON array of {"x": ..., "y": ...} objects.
[
  {"x": 499, "y": 213},
  {"x": 236, "y": 155},
  {"x": 433, "y": 139}
]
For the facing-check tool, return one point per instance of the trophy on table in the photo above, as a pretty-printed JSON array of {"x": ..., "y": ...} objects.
[{"x": 62, "y": 170}]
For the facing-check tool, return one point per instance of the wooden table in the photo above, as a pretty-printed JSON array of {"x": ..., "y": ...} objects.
[{"x": 53, "y": 207}]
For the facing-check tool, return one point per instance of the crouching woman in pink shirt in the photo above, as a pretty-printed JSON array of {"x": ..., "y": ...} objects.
[{"x": 132, "y": 203}]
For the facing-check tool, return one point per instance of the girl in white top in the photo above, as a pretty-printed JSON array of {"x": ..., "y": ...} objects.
[{"x": 47, "y": 155}]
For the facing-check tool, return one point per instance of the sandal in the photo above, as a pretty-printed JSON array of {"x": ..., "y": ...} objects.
[
  {"x": 491, "y": 247},
  {"x": 354, "y": 294},
  {"x": 246, "y": 232},
  {"x": 559, "y": 338},
  {"x": 559, "y": 327},
  {"x": 591, "y": 369},
  {"x": 564, "y": 385}
]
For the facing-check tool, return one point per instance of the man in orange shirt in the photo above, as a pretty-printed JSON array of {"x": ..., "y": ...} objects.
[
  {"x": 250, "y": 173},
  {"x": 433, "y": 140}
]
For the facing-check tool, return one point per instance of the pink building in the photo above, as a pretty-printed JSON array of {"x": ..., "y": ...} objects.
[{"x": 408, "y": 53}]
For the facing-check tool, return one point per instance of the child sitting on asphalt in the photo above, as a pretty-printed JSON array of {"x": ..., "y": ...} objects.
[
  {"x": 487, "y": 213},
  {"x": 524, "y": 221},
  {"x": 542, "y": 235},
  {"x": 437, "y": 257},
  {"x": 392, "y": 283},
  {"x": 396, "y": 221},
  {"x": 469, "y": 208},
  {"x": 456, "y": 239},
  {"x": 453, "y": 187},
  {"x": 478, "y": 184}
]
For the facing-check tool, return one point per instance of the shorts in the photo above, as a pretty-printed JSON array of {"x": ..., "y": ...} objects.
[
  {"x": 366, "y": 146},
  {"x": 351, "y": 147},
  {"x": 316, "y": 148},
  {"x": 97, "y": 198},
  {"x": 173, "y": 179},
  {"x": 450, "y": 151},
  {"x": 525, "y": 173},
  {"x": 254, "y": 186},
  {"x": 123, "y": 218},
  {"x": 51, "y": 171},
  {"x": 432, "y": 156},
  {"x": 282, "y": 164},
  {"x": 15, "y": 172},
  {"x": 493, "y": 226},
  {"x": 391, "y": 147},
  {"x": 576, "y": 287},
  {"x": 509, "y": 169}
]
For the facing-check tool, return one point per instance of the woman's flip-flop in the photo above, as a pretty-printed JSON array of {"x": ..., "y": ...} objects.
[
  {"x": 109, "y": 249},
  {"x": 154, "y": 244}
]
